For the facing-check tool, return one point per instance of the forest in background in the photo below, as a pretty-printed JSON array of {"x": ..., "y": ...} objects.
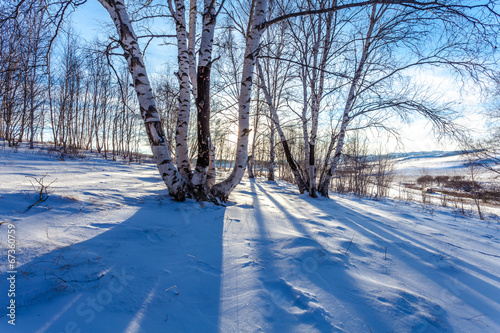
[{"x": 282, "y": 87}]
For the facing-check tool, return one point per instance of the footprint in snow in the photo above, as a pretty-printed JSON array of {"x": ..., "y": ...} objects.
[
  {"x": 296, "y": 303},
  {"x": 301, "y": 242},
  {"x": 250, "y": 263},
  {"x": 426, "y": 313},
  {"x": 314, "y": 223},
  {"x": 324, "y": 234}
]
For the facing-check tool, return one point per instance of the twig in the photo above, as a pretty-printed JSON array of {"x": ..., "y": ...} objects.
[
  {"x": 350, "y": 243},
  {"x": 176, "y": 290},
  {"x": 42, "y": 191}
]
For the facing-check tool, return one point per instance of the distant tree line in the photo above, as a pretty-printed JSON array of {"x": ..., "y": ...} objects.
[{"x": 264, "y": 86}]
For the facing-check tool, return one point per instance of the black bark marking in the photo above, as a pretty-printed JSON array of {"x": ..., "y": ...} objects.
[
  {"x": 203, "y": 115},
  {"x": 311, "y": 154}
]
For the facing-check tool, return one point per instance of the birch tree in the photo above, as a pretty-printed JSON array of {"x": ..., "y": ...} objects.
[
  {"x": 195, "y": 80},
  {"x": 156, "y": 136},
  {"x": 277, "y": 76},
  {"x": 388, "y": 47},
  {"x": 312, "y": 37},
  {"x": 185, "y": 66},
  {"x": 323, "y": 188},
  {"x": 224, "y": 188},
  {"x": 299, "y": 180}
]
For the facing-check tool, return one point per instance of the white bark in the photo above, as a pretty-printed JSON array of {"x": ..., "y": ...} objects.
[
  {"x": 304, "y": 118},
  {"x": 251, "y": 162},
  {"x": 274, "y": 118},
  {"x": 223, "y": 189},
  {"x": 270, "y": 174},
  {"x": 310, "y": 160},
  {"x": 327, "y": 158},
  {"x": 191, "y": 47},
  {"x": 128, "y": 40},
  {"x": 181, "y": 136},
  {"x": 317, "y": 96},
  {"x": 351, "y": 97},
  {"x": 211, "y": 174}
]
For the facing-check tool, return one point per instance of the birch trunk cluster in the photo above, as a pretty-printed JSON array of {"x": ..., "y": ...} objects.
[
  {"x": 175, "y": 182},
  {"x": 346, "y": 115},
  {"x": 313, "y": 62},
  {"x": 312, "y": 38},
  {"x": 194, "y": 80}
]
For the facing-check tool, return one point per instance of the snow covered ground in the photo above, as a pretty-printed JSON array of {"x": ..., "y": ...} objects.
[
  {"x": 109, "y": 251},
  {"x": 437, "y": 163},
  {"x": 409, "y": 167}
]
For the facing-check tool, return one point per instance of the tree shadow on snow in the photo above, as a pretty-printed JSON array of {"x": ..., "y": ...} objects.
[
  {"x": 325, "y": 264},
  {"x": 284, "y": 307},
  {"x": 157, "y": 271},
  {"x": 334, "y": 250}
]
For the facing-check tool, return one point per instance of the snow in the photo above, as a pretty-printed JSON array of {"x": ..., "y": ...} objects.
[
  {"x": 410, "y": 166},
  {"x": 109, "y": 251},
  {"x": 434, "y": 163}
]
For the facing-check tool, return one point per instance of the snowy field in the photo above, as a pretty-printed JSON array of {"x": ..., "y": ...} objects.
[
  {"x": 109, "y": 251},
  {"x": 436, "y": 163}
]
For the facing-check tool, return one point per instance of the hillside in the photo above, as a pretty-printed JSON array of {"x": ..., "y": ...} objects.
[{"x": 109, "y": 251}]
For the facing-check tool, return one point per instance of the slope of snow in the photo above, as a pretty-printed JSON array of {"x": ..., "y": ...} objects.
[
  {"x": 433, "y": 164},
  {"x": 110, "y": 252},
  {"x": 438, "y": 163}
]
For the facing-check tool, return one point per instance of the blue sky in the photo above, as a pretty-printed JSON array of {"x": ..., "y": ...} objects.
[{"x": 91, "y": 19}]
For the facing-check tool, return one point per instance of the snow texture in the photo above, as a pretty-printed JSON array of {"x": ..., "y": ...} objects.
[{"x": 109, "y": 251}]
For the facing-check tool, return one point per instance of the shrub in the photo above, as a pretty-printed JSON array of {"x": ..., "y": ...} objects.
[
  {"x": 425, "y": 180},
  {"x": 463, "y": 185},
  {"x": 441, "y": 180}
]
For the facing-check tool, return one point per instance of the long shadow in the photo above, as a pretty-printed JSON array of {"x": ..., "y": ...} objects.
[
  {"x": 405, "y": 243},
  {"x": 458, "y": 281},
  {"x": 284, "y": 307},
  {"x": 330, "y": 272},
  {"x": 382, "y": 229},
  {"x": 157, "y": 271}
]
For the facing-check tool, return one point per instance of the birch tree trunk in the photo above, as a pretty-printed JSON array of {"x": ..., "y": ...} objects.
[
  {"x": 32, "y": 106},
  {"x": 128, "y": 41},
  {"x": 223, "y": 189},
  {"x": 199, "y": 180},
  {"x": 327, "y": 158},
  {"x": 351, "y": 97},
  {"x": 299, "y": 180},
  {"x": 181, "y": 135},
  {"x": 317, "y": 96},
  {"x": 270, "y": 174},
  {"x": 211, "y": 174},
  {"x": 304, "y": 122},
  {"x": 251, "y": 161},
  {"x": 191, "y": 47}
]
